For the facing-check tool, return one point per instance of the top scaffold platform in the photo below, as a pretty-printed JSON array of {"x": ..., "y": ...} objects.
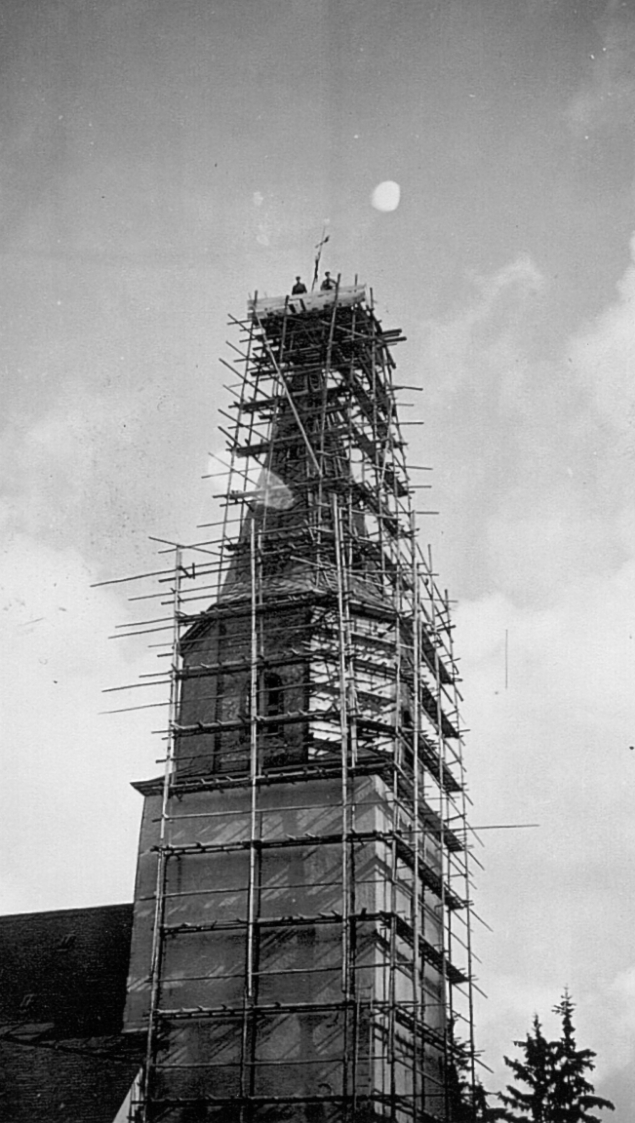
[{"x": 345, "y": 295}]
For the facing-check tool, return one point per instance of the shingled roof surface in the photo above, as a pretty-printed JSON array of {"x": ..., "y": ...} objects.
[{"x": 62, "y": 992}]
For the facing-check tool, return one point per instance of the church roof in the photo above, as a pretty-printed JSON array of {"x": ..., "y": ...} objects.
[{"x": 62, "y": 992}]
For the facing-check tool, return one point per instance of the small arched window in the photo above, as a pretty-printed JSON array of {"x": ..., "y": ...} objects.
[
  {"x": 406, "y": 720},
  {"x": 273, "y": 702},
  {"x": 270, "y": 703},
  {"x": 407, "y": 727}
]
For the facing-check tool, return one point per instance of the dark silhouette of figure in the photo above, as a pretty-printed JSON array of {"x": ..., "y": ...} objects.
[
  {"x": 298, "y": 288},
  {"x": 328, "y": 282}
]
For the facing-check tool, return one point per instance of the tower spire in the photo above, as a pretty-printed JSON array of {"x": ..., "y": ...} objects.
[{"x": 302, "y": 905}]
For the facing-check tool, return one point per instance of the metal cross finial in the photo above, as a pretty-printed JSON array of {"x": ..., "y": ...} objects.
[{"x": 324, "y": 239}]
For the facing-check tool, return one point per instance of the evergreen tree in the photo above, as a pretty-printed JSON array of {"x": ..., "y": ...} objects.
[
  {"x": 465, "y": 1102},
  {"x": 456, "y": 1075},
  {"x": 481, "y": 1110},
  {"x": 537, "y": 1071},
  {"x": 554, "y": 1074},
  {"x": 573, "y": 1094}
]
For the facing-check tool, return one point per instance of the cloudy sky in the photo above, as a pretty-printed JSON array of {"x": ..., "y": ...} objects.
[{"x": 159, "y": 161}]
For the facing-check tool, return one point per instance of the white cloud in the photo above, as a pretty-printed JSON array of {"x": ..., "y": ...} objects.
[
  {"x": 604, "y": 357},
  {"x": 487, "y": 327},
  {"x": 66, "y": 801},
  {"x": 556, "y": 541},
  {"x": 607, "y": 95},
  {"x": 69, "y": 817}
]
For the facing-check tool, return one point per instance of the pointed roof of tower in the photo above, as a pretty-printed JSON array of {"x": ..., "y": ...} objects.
[{"x": 317, "y": 422}]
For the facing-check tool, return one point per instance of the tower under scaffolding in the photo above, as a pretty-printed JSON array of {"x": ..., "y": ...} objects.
[{"x": 301, "y": 946}]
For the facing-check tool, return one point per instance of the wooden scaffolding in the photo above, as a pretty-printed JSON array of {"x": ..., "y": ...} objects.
[{"x": 302, "y": 937}]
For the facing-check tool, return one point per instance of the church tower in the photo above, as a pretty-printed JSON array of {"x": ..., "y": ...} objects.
[{"x": 301, "y": 940}]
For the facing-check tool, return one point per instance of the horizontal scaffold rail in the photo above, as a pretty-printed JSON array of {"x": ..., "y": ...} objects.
[
  {"x": 228, "y": 1011},
  {"x": 366, "y": 726},
  {"x": 238, "y": 607},
  {"x": 405, "y": 850},
  {"x": 405, "y": 1104},
  {"x": 378, "y": 764}
]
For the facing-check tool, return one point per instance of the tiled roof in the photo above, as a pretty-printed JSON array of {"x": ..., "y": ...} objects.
[{"x": 62, "y": 992}]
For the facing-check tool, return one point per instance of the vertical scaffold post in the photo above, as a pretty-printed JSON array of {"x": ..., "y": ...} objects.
[
  {"x": 348, "y": 987},
  {"x": 466, "y": 878},
  {"x": 446, "y": 938},
  {"x": 247, "y": 1050},
  {"x": 162, "y": 856},
  {"x": 418, "y": 1055},
  {"x": 390, "y": 1057}
]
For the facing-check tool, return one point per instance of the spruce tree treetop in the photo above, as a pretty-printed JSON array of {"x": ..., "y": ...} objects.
[
  {"x": 554, "y": 1073},
  {"x": 573, "y": 1094},
  {"x": 536, "y": 1071}
]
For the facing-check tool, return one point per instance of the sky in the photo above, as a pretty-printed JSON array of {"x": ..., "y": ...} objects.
[{"x": 160, "y": 161}]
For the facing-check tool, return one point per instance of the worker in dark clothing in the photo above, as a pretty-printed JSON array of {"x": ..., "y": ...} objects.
[
  {"x": 298, "y": 288},
  {"x": 327, "y": 283}
]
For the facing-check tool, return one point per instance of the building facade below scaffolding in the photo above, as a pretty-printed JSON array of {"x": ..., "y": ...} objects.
[{"x": 301, "y": 938}]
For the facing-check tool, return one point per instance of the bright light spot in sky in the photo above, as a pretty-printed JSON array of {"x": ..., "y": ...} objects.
[{"x": 386, "y": 196}]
